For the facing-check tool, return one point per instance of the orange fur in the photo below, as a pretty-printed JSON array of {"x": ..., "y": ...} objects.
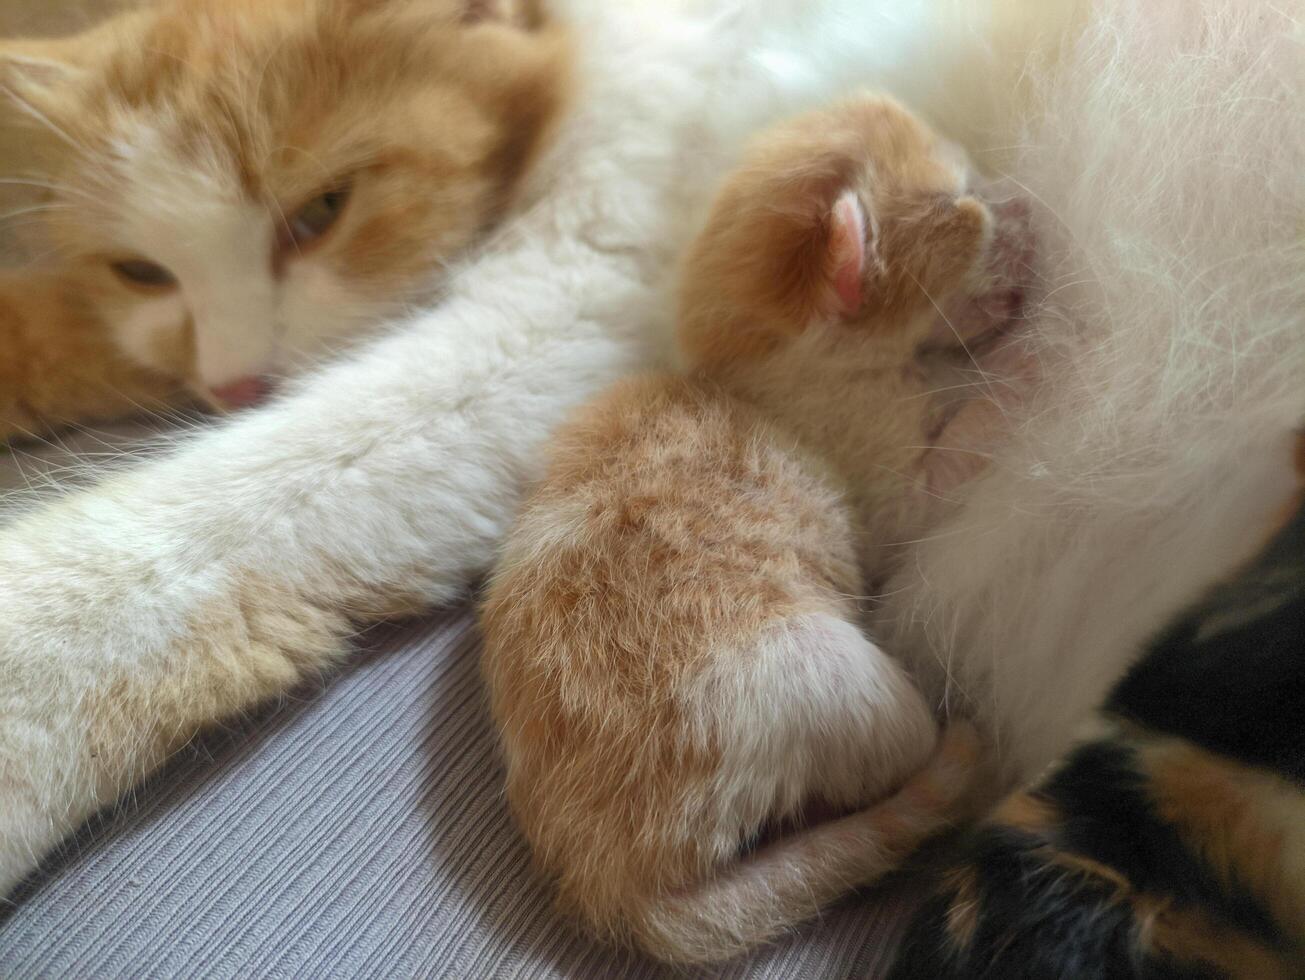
[
  {"x": 429, "y": 111},
  {"x": 673, "y": 645},
  {"x": 1196, "y": 941},
  {"x": 1026, "y": 812},
  {"x": 962, "y": 918},
  {"x": 1248, "y": 826},
  {"x": 60, "y": 365},
  {"x": 759, "y": 271}
]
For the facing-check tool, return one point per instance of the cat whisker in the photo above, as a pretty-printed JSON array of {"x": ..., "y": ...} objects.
[
  {"x": 28, "y": 109},
  {"x": 48, "y": 185},
  {"x": 34, "y": 209},
  {"x": 1028, "y": 191}
]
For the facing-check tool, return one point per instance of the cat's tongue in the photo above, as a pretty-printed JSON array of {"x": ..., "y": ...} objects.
[{"x": 242, "y": 393}]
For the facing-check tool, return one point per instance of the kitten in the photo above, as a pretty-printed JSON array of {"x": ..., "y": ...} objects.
[
  {"x": 1171, "y": 845},
  {"x": 235, "y": 187},
  {"x": 671, "y": 639}
]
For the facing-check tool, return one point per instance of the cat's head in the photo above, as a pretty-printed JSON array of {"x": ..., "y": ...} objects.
[
  {"x": 241, "y": 185},
  {"x": 859, "y": 211}
]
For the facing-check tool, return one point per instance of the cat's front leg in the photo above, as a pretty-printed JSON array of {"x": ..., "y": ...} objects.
[
  {"x": 198, "y": 586},
  {"x": 121, "y": 668}
]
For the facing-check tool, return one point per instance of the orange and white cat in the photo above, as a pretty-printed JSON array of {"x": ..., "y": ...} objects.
[
  {"x": 673, "y": 644},
  {"x": 231, "y": 190}
]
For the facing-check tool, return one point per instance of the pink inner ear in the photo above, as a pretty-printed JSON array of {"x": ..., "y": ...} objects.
[{"x": 847, "y": 249}]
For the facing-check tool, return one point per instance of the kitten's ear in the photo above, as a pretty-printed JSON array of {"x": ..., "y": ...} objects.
[{"x": 852, "y": 245}]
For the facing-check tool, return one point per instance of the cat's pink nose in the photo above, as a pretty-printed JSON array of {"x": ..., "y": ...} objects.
[{"x": 242, "y": 393}]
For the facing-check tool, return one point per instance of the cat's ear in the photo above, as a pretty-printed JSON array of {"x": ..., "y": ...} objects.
[
  {"x": 38, "y": 105},
  {"x": 851, "y": 247},
  {"x": 35, "y": 79}
]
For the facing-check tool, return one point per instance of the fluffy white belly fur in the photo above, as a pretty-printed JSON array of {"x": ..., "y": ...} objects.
[
  {"x": 196, "y": 586},
  {"x": 1169, "y": 167}
]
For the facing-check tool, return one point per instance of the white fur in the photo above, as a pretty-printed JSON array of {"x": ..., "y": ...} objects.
[
  {"x": 194, "y": 219},
  {"x": 1170, "y": 167},
  {"x": 813, "y": 710}
]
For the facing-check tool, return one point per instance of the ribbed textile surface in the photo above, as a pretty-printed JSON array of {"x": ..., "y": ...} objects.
[{"x": 358, "y": 830}]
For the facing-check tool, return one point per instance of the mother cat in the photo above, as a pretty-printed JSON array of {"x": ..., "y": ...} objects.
[{"x": 199, "y": 585}]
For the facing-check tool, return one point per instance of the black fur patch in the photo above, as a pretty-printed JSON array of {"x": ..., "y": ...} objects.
[{"x": 1230, "y": 675}]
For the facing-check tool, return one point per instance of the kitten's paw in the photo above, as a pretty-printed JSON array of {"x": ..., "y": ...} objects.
[{"x": 946, "y": 781}]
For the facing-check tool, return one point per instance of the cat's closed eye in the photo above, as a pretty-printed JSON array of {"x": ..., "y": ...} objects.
[
  {"x": 144, "y": 274},
  {"x": 313, "y": 220}
]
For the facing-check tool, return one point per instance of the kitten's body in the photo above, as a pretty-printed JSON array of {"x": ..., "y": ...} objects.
[
  {"x": 1170, "y": 845},
  {"x": 672, "y": 638}
]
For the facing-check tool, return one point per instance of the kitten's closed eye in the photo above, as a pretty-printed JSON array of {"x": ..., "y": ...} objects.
[{"x": 144, "y": 274}]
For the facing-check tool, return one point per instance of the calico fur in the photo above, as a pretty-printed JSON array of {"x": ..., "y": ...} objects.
[
  {"x": 1172, "y": 845},
  {"x": 671, "y": 638}
]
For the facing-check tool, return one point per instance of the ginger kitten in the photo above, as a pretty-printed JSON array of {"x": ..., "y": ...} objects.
[
  {"x": 673, "y": 645},
  {"x": 232, "y": 188}
]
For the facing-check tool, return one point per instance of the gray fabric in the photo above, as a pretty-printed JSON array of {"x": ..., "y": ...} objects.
[{"x": 356, "y": 830}]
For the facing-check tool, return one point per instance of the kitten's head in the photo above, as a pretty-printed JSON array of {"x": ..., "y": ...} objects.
[
  {"x": 240, "y": 185},
  {"x": 859, "y": 211}
]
